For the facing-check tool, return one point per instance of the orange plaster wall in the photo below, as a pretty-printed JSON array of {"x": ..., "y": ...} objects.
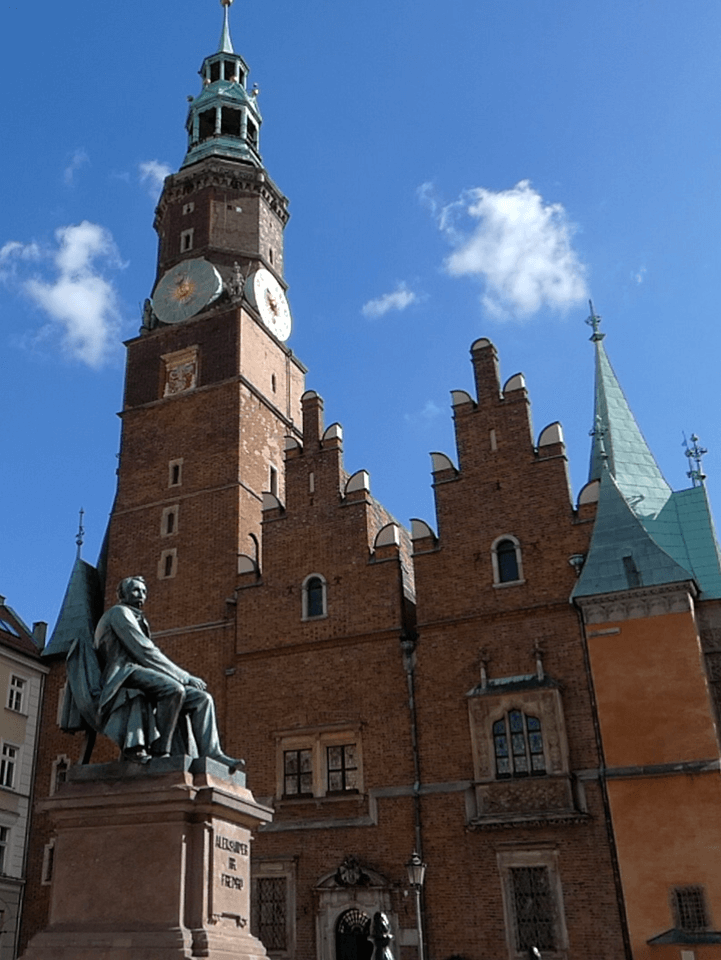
[
  {"x": 668, "y": 834},
  {"x": 651, "y": 691}
]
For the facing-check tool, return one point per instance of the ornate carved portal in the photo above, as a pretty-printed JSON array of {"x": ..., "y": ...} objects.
[{"x": 347, "y": 898}]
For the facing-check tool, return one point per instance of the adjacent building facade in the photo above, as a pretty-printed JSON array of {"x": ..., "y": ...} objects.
[
  {"x": 22, "y": 677},
  {"x": 521, "y": 691}
]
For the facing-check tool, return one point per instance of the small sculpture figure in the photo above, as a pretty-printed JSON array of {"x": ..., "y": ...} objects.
[
  {"x": 236, "y": 283},
  {"x": 125, "y": 687},
  {"x": 149, "y": 318},
  {"x": 381, "y": 937}
]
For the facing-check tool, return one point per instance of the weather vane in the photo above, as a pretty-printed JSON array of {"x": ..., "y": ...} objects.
[
  {"x": 695, "y": 454},
  {"x": 594, "y": 321},
  {"x": 80, "y": 537}
]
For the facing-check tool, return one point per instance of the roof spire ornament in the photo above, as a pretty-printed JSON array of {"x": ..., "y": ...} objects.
[
  {"x": 696, "y": 454},
  {"x": 80, "y": 536},
  {"x": 226, "y": 44},
  {"x": 594, "y": 321}
]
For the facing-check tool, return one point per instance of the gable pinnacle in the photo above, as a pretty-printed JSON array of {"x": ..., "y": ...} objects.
[
  {"x": 594, "y": 321},
  {"x": 226, "y": 44}
]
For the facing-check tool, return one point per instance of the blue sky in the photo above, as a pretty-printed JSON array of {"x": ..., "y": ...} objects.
[{"x": 457, "y": 170}]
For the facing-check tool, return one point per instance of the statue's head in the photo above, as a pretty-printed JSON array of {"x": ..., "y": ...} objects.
[{"x": 132, "y": 590}]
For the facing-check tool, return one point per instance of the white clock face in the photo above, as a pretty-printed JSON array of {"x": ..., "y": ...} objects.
[{"x": 269, "y": 299}]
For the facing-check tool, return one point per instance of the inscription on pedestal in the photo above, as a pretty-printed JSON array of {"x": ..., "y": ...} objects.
[{"x": 230, "y": 876}]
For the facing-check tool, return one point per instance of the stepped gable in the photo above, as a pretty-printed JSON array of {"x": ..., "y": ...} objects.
[
  {"x": 505, "y": 487},
  {"x": 332, "y": 528}
]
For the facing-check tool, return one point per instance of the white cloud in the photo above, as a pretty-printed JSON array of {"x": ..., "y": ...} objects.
[
  {"x": 429, "y": 412},
  {"x": 398, "y": 299},
  {"x": 518, "y": 245},
  {"x": 78, "y": 160},
  {"x": 80, "y": 301},
  {"x": 640, "y": 275},
  {"x": 152, "y": 176}
]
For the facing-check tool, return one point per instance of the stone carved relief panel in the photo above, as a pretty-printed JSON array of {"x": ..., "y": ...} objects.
[{"x": 180, "y": 371}]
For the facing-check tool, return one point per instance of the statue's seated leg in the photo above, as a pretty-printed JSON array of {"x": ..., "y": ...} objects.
[
  {"x": 167, "y": 695},
  {"x": 200, "y": 708}
]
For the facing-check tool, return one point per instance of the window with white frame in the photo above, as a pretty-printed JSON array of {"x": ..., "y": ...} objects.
[
  {"x": 315, "y": 599},
  {"x": 320, "y": 763},
  {"x": 506, "y": 560},
  {"x": 8, "y": 764},
  {"x": 16, "y": 693},
  {"x": 533, "y": 902}
]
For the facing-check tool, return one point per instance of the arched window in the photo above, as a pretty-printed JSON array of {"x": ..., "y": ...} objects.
[
  {"x": 518, "y": 746},
  {"x": 506, "y": 560},
  {"x": 314, "y": 597}
]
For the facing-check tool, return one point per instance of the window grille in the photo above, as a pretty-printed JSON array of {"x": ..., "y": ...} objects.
[
  {"x": 342, "y": 768},
  {"x": 507, "y": 561},
  {"x": 690, "y": 912},
  {"x": 270, "y": 912},
  {"x": 16, "y": 694},
  {"x": 533, "y": 908},
  {"x": 298, "y": 773},
  {"x": 354, "y": 921},
  {"x": 8, "y": 760},
  {"x": 518, "y": 746}
]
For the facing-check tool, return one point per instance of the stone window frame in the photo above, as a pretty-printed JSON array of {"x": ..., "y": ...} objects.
[
  {"x": 186, "y": 239},
  {"x": 284, "y": 868},
  {"x": 188, "y": 207},
  {"x": 173, "y": 511},
  {"x": 497, "y": 582},
  {"x": 46, "y": 875},
  {"x": 62, "y": 758},
  {"x": 317, "y": 741},
  {"x": 510, "y": 856},
  {"x": 172, "y": 464},
  {"x": 304, "y": 597},
  {"x": 163, "y": 563}
]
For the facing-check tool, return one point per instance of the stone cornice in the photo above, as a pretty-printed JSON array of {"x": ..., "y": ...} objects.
[{"x": 638, "y": 603}]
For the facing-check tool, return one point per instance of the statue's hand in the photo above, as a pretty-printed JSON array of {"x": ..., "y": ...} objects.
[{"x": 197, "y": 683}]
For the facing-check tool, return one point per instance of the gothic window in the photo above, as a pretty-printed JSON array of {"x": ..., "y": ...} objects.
[
  {"x": 506, "y": 560},
  {"x": 518, "y": 746},
  {"x": 8, "y": 764},
  {"x": 273, "y": 480},
  {"x": 175, "y": 473},
  {"x": 314, "y": 597},
  {"x": 342, "y": 768},
  {"x": 16, "y": 694},
  {"x": 689, "y": 909},
  {"x": 168, "y": 564},
  {"x": 533, "y": 909},
  {"x": 169, "y": 521}
]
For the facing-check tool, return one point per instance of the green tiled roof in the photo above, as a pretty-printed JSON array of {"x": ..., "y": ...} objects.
[
  {"x": 668, "y": 536},
  {"x": 80, "y": 611}
]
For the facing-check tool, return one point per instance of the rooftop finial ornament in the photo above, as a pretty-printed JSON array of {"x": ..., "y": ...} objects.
[
  {"x": 226, "y": 44},
  {"x": 695, "y": 454},
  {"x": 594, "y": 321}
]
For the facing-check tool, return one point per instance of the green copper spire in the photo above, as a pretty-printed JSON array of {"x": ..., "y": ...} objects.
[
  {"x": 618, "y": 441},
  {"x": 226, "y": 44},
  {"x": 224, "y": 119}
]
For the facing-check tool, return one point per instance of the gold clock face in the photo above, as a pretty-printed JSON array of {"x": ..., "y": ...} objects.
[
  {"x": 265, "y": 293},
  {"x": 185, "y": 289}
]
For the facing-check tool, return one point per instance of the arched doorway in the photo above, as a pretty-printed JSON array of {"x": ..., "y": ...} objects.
[{"x": 351, "y": 936}]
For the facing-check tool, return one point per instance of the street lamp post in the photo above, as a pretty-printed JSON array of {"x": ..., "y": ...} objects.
[{"x": 416, "y": 875}]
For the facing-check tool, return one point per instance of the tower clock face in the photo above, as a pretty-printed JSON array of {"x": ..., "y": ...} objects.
[
  {"x": 185, "y": 289},
  {"x": 268, "y": 297}
]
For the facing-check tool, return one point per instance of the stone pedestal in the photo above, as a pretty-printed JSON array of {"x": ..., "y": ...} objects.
[{"x": 151, "y": 862}]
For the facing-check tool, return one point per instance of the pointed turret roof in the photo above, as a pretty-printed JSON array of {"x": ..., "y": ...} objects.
[
  {"x": 226, "y": 44},
  {"x": 643, "y": 530},
  {"x": 80, "y": 610}
]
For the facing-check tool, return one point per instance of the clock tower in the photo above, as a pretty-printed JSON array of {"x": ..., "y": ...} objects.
[{"x": 212, "y": 391}]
